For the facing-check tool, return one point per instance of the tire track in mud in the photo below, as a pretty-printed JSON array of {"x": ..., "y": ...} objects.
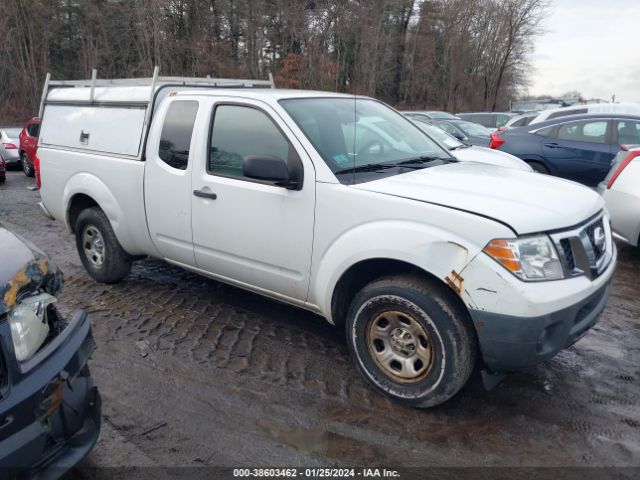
[{"x": 188, "y": 317}]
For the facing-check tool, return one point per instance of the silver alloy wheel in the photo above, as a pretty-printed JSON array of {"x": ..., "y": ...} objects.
[
  {"x": 93, "y": 245},
  {"x": 400, "y": 345},
  {"x": 26, "y": 168}
]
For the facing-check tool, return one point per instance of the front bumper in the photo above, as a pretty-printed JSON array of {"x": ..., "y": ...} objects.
[
  {"x": 511, "y": 343},
  {"x": 11, "y": 160},
  {"x": 50, "y": 413},
  {"x": 520, "y": 324}
]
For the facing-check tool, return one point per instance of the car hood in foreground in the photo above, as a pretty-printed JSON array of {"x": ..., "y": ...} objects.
[
  {"x": 527, "y": 202},
  {"x": 490, "y": 157},
  {"x": 23, "y": 267}
]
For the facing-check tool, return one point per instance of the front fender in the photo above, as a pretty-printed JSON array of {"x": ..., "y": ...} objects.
[{"x": 434, "y": 250}]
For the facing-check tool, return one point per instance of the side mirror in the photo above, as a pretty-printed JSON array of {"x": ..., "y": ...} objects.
[
  {"x": 267, "y": 168},
  {"x": 460, "y": 137}
]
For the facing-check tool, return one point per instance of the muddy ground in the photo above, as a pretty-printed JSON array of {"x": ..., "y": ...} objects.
[{"x": 193, "y": 373}]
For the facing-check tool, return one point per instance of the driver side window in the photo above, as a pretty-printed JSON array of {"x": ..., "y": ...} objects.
[{"x": 238, "y": 131}]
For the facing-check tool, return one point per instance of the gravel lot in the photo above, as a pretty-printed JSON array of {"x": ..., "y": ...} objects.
[{"x": 193, "y": 372}]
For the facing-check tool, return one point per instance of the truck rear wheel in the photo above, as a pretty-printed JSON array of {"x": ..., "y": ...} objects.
[
  {"x": 411, "y": 340},
  {"x": 99, "y": 249}
]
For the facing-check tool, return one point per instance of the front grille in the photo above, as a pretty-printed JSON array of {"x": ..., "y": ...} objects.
[
  {"x": 583, "y": 249},
  {"x": 590, "y": 231},
  {"x": 567, "y": 254}
]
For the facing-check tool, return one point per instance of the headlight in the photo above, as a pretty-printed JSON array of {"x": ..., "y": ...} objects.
[
  {"x": 529, "y": 258},
  {"x": 29, "y": 325}
]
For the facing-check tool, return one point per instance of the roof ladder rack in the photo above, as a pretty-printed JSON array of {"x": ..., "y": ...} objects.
[{"x": 154, "y": 82}]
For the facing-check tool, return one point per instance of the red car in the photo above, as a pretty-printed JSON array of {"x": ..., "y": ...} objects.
[{"x": 29, "y": 145}]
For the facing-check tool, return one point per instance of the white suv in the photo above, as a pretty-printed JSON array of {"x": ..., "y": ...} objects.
[{"x": 621, "y": 191}]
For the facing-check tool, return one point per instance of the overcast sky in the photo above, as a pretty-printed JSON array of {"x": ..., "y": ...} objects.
[{"x": 591, "y": 46}]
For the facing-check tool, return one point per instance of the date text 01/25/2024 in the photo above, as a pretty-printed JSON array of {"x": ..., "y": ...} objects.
[{"x": 315, "y": 473}]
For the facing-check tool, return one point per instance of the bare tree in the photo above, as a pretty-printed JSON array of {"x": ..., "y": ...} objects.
[{"x": 451, "y": 54}]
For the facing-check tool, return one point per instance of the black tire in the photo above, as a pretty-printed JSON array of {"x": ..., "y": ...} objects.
[
  {"x": 538, "y": 167},
  {"x": 451, "y": 339},
  {"x": 27, "y": 167},
  {"x": 116, "y": 263}
]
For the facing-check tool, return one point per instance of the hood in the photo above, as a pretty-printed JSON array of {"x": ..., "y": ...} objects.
[
  {"x": 23, "y": 267},
  {"x": 490, "y": 157},
  {"x": 527, "y": 202}
]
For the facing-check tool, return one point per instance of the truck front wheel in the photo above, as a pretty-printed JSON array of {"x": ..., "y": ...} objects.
[
  {"x": 411, "y": 340},
  {"x": 99, "y": 249}
]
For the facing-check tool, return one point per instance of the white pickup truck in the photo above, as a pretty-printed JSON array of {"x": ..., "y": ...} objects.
[{"x": 432, "y": 265}]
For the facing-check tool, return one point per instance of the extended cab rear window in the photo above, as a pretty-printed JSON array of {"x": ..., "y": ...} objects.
[{"x": 175, "y": 139}]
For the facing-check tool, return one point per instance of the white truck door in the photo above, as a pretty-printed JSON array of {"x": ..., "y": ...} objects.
[
  {"x": 253, "y": 233},
  {"x": 167, "y": 179}
]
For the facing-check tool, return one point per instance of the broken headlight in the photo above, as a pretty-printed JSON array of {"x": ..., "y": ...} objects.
[
  {"x": 29, "y": 325},
  {"x": 531, "y": 258}
]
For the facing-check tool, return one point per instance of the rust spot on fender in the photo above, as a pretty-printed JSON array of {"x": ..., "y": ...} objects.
[
  {"x": 458, "y": 245},
  {"x": 455, "y": 281}
]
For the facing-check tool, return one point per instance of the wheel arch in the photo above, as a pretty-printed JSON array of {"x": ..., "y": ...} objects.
[
  {"x": 78, "y": 203},
  {"x": 85, "y": 190},
  {"x": 365, "y": 271},
  {"x": 541, "y": 160}
]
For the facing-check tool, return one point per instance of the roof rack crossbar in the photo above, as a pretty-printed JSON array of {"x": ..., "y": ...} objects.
[
  {"x": 122, "y": 82},
  {"x": 152, "y": 82}
]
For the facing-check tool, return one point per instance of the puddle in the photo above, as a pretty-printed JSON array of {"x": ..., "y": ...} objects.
[{"x": 319, "y": 441}]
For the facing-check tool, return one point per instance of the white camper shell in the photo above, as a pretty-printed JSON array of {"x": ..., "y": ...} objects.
[{"x": 79, "y": 110}]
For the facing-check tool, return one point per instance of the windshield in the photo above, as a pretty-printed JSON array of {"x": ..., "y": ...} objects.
[
  {"x": 351, "y": 133},
  {"x": 501, "y": 120},
  {"x": 12, "y": 133},
  {"x": 474, "y": 129},
  {"x": 440, "y": 135}
]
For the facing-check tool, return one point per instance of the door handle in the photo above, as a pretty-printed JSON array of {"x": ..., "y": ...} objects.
[
  {"x": 552, "y": 145},
  {"x": 201, "y": 194}
]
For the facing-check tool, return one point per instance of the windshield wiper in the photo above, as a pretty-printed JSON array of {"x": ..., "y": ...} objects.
[
  {"x": 457, "y": 147},
  {"x": 421, "y": 161},
  {"x": 417, "y": 162},
  {"x": 372, "y": 167}
]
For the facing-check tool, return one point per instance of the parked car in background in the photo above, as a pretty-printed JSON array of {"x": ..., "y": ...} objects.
[
  {"x": 10, "y": 145},
  {"x": 3, "y": 170},
  {"x": 520, "y": 120},
  {"x": 471, "y": 153},
  {"x": 431, "y": 114},
  {"x": 490, "y": 120},
  {"x": 621, "y": 192},
  {"x": 469, "y": 132},
  {"x": 579, "y": 147},
  {"x": 49, "y": 405},
  {"x": 629, "y": 108},
  {"x": 29, "y": 145}
]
